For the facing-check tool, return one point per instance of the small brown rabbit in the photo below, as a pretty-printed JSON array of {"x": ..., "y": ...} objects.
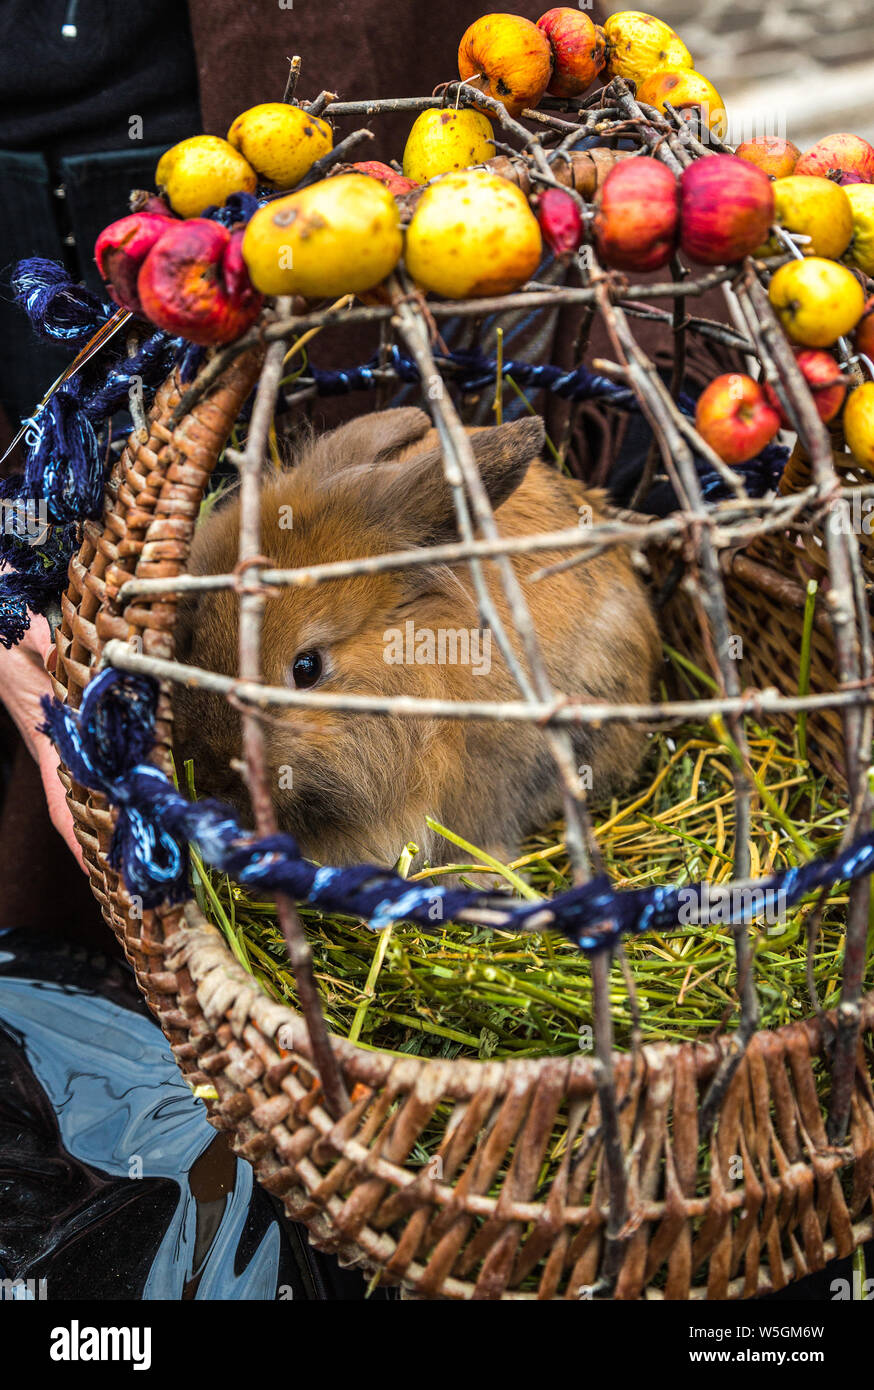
[{"x": 355, "y": 788}]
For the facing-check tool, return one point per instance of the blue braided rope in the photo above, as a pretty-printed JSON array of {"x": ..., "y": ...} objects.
[
  {"x": 106, "y": 745},
  {"x": 471, "y": 372}
]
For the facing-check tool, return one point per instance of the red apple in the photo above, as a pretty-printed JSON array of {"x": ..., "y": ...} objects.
[
  {"x": 773, "y": 156},
  {"x": 726, "y": 209},
  {"x": 823, "y": 376},
  {"x": 395, "y": 183},
  {"x": 121, "y": 249},
  {"x": 636, "y": 215},
  {"x": 838, "y": 154},
  {"x": 580, "y": 49},
  {"x": 734, "y": 417},
  {"x": 865, "y": 330},
  {"x": 560, "y": 222},
  {"x": 194, "y": 283}
]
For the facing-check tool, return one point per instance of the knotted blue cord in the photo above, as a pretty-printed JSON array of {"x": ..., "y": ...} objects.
[
  {"x": 63, "y": 478},
  {"x": 105, "y": 746},
  {"x": 471, "y": 372},
  {"x": 57, "y": 307}
]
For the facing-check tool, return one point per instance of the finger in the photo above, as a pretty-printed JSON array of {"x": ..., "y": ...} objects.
[{"x": 38, "y": 636}]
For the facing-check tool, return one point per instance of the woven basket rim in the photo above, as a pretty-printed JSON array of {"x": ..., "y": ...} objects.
[{"x": 363, "y": 1063}]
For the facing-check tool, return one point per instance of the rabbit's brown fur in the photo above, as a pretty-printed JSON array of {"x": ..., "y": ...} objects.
[{"x": 362, "y": 785}]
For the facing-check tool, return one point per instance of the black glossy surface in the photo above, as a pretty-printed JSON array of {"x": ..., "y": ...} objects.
[{"x": 112, "y": 1184}]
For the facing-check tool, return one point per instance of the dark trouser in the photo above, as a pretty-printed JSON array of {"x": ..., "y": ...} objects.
[{"x": 55, "y": 209}]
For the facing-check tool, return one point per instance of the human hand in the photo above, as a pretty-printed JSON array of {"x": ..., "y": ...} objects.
[{"x": 23, "y": 682}]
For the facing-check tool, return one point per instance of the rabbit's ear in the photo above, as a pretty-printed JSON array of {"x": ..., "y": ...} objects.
[
  {"x": 503, "y": 455},
  {"x": 369, "y": 439}
]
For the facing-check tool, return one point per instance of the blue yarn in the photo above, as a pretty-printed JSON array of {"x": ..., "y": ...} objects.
[
  {"x": 473, "y": 372},
  {"x": 105, "y": 746},
  {"x": 239, "y": 208},
  {"x": 63, "y": 460},
  {"x": 57, "y": 307},
  {"x": 64, "y": 466}
]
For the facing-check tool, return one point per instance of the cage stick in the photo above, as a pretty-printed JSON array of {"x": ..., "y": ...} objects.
[
  {"x": 294, "y": 66},
  {"x": 454, "y": 478},
  {"x": 757, "y": 704},
  {"x": 280, "y": 328},
  {"x": 250, "y": 465},
  {"x": 842, "y": 608},
  {"x": 727, "y": 529},
  {"x": 678, "y": 373},
  {"x": 705, "y": 328},
  {"x": 679, "y": 461},
  {"x": 579, "y": 836},
  {"x": 461, "y": 464}
]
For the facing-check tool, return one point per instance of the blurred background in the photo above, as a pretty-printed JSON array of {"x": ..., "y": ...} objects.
[{"x": 802, "y": 68}]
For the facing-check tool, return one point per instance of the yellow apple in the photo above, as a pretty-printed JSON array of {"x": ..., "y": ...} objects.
[
  {"x": 861, "y": 199},
  {"x": 686, "y": 90},
  {"x": 280, "y": 141},
  {"x": 817, "y": 301},
  {"x": 640, "y": 44},
  {"x": 443, "y": 140},
  {"x": 202, "y": 172},
  {"x": 472, "y": 234},
  {"x": 339, "y": 236},
  {"x": 859, "y": 424},
  {"x": 817, "y": 208}
]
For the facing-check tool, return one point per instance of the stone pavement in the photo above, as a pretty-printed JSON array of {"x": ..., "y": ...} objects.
[{"x": 796, "y": 67}]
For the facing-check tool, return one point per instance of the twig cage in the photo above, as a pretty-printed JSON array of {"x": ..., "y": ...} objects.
[{"x": 329, "y": 1127}]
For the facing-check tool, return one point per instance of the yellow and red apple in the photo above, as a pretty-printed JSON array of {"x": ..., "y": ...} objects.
[
  {"x": 735, "y": 418},
  {"x": 864, "y": 335},
  {"x": 836, "y": 155},
  {"x": 726, "y": 209},
  {"x": 194, "y": 283},
  {"x": 637, "y": 215},
  {"x": 823, "y": 376},
  {"x": 689, "y": 93},
  {"x": 579, "y": 48},
  {"x": 775, "y": 157},
  {"x": 508, "y": 58}
]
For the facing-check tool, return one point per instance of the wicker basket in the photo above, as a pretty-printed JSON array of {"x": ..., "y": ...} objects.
[{"x": 476, "y": 1224}]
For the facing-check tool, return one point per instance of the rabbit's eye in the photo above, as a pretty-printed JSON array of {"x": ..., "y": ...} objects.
[{"x": 306, "y": 669}]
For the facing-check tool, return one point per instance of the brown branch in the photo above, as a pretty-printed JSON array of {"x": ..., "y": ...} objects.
[
  {"x": 757, "y": 704},
  {"x": 460, "y": 464},
  {"x": 294, "y": 65},
  {"x": 250, "y": 466}
]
